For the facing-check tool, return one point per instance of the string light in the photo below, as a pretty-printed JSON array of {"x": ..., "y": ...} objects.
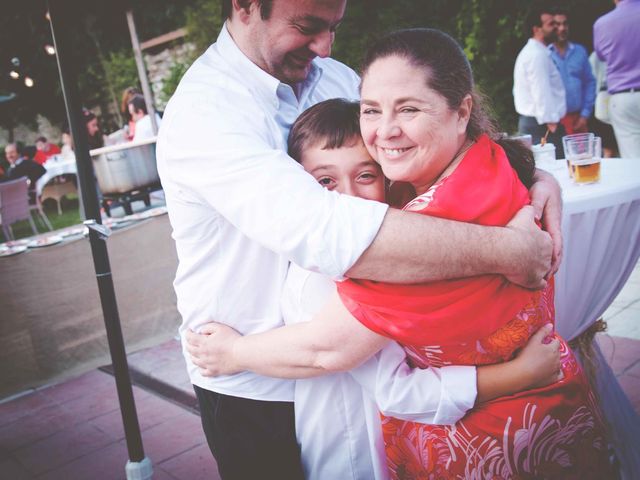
[
  {"x": 13, "y": 74},
  {"x": 50, "y": 49},
  {"x": 28, "y": 81}
]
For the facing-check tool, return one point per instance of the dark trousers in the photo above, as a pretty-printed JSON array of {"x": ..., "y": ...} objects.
[
  {"x": 529, "y": 125},
  {"x": 250, "y": 439}
]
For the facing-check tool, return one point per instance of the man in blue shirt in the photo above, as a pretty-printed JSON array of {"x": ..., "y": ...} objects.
[{"x": 579, "y": 83}]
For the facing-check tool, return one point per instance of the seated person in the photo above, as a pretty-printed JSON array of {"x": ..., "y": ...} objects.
[
  {"x": 20, "y": 166},
  {"x": 44, "y": 150},
  {"x": 138, "y": 111}
]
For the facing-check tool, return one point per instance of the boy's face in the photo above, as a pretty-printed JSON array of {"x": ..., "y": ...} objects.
[{"x": 348, "y": 169}]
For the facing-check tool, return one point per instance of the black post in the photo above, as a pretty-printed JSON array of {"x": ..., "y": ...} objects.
[{"x": 61, "y": 14}]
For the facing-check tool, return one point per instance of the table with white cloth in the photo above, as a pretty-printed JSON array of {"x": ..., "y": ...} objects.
[
  {"x": 601, "y": 233},
  {"x": 56, "y": 166}
]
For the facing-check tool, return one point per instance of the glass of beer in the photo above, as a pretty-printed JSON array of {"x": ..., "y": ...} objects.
[
  {"x": 584, "y": 157},
  {"x": 576, "y": 137}
]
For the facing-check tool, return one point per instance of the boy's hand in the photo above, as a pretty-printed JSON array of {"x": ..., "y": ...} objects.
[{"x": 539, "y": 360}]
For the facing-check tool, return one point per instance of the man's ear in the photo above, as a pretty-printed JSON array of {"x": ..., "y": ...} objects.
[{"x": 242, "y": 9}]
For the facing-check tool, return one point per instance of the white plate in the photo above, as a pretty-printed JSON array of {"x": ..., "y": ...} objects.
[
  {"x": 45, "y": 241},
  {"x": 8, "y": 251}
]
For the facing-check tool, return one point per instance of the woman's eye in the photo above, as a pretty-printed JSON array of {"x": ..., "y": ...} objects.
[
  {"x": 369, "y": 111},
  {"x": 408, "y": 110}
]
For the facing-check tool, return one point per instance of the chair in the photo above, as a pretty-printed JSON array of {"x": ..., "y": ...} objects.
[{"x": 14, "y": 205}]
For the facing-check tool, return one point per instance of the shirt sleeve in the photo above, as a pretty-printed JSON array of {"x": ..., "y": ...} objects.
[
  {"x": 588, "y": 87},
  {"x": 222, "y": 153},
  {"x": 538, "y": 76},
  {"x": 437, "y": 396}
]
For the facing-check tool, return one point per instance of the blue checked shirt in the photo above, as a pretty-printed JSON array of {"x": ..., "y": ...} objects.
[{"x": 578, "y": 79}]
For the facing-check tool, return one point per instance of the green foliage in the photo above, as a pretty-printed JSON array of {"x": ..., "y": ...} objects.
[
  {"x": 170, "y": 83},
  {"x": 203, "y": 22}
]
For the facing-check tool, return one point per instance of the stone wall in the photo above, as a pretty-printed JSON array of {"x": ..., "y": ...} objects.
[{"x": 159, "y": 66}]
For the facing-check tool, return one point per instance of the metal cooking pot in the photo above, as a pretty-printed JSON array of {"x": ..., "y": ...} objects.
[{"x": 125, "y": 167}]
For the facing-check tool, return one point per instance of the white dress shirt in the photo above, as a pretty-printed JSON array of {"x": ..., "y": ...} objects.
[
  {"x": 538, "y": 90},
  {"x": 337, "y": 416},
  {"x": 144, "y": 129},
  {"x": 241, "y": 208}
]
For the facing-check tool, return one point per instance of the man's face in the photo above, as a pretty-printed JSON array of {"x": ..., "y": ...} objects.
[
  {"x": 135, "y": 114},
  {"x": 296, "y": 32},
  {"x": 562, "y": 27},
  {"x": 549, "y": 28},
  {"x": 11, "y": 153}
]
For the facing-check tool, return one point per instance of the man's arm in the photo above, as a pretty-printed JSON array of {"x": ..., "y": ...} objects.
[{"x": 284, "y": 209}]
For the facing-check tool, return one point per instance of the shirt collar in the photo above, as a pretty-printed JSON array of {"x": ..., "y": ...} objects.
[{"x": 259, "y": 81}]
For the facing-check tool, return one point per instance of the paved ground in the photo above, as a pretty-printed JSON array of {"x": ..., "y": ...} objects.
[{"x": 73, "y": 430}]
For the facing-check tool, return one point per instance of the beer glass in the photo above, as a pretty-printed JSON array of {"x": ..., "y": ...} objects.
[{"x": 584, "y": 157}]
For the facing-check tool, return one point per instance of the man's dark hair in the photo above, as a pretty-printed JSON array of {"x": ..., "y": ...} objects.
[
  {"x": 18, "y": 146},
  {"x": 330, "y": 124},
  {"x": 561, "y": 11},
  {"x": 265, "y": 8},
  {"x": 534, "y": 19},
  {"x": 41, "y": 139},
  {"x": 138, "y": 103}
]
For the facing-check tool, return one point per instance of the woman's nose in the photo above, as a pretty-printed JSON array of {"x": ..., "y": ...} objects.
[{"x": 387, "y": 128}]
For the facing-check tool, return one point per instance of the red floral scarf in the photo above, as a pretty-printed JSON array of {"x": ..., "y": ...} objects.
[{"x": 483, "y": 189}]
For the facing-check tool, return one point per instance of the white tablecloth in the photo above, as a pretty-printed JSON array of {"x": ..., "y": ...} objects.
[
  {"x": 56, "y": 166},
  {"x": 601, "y": 231}
]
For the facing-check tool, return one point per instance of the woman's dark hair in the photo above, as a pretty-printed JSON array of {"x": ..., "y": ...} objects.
[
  {"x": 330, "y": 124},
  {"x": 448, "y": 72}
]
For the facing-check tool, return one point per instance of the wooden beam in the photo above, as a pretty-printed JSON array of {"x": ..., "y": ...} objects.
[{"x": 167, "y": 37}]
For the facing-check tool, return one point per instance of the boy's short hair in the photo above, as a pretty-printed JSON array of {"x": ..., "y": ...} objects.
[{"x": 330, "y": 124}]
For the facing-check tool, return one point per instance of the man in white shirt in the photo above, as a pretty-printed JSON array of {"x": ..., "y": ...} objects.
[
  {"x": 538, "y": 90},
  {"x": 241, "y": 209},
  {"x": 138, "y": 109}
]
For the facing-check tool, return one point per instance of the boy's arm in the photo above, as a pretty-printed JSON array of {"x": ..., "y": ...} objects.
[{"x": 442, "y": 396}]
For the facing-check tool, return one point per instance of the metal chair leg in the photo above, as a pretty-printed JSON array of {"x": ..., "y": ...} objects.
[{"x": 33, "y": 225}]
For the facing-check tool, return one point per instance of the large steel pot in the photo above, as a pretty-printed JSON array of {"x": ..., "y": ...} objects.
[{"x": 125, "y": 167}]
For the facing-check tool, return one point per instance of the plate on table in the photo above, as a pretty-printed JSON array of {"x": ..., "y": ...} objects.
[
  {"x": 154, "y": 212},
  {"x": 23, "y": 242},
  {"x": 45, "y": 241},
  {"x": 8, "y": 251},
  {"x": 70, "y": 232}
]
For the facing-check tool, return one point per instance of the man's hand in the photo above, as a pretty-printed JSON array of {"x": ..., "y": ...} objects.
[
  {"x": 546, "y": 199},
  {"x": 531, "y": 252},
  {"x": 539, "y": 361},
  {"x": 580, "y": 124},
  {"x": 552, "y": 127},
  {"x": 211, "y": 350}
]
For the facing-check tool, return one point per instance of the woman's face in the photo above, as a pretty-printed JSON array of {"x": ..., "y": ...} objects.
[{"x": 407, "y": 127}]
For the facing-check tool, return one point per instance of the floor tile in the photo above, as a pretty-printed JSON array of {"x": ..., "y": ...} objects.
[
  {"x": 195, "y": 464},
  {"x": 12, "y": 470},
  {"x": 19, "y": 407},
  {"x": 61, "y": 448},
  {"x": 34, "y": 426},
  {"x": 93, "y": 381},
  {"x": 104, "y": 464},
  {"x": 173, "y": 437}
]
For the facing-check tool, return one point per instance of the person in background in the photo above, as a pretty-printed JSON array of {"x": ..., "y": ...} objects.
[
  {"x": 616, "y": 41},
  {"x": 94, "y": 135},
  {"x": 579, "y": 83},
  {"x": 20, "y": 166},
  {"x": 44, "y": 150},
  {"x": 127, "y": 95},
  {"x": 538, "y": 91},
  {"x": 67, "y": 145},
  {"x": 138, "y": 111},
  {"x": 604, "y": 130}
]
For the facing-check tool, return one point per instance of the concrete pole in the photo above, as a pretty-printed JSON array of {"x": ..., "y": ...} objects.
[{"x": 142, "y": 71}]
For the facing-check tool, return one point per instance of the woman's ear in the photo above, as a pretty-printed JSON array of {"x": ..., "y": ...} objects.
[{"x": 464, "y": 113}]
